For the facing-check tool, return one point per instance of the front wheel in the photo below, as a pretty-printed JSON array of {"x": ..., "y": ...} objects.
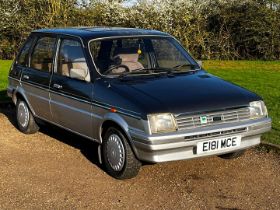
[
  {"x": 232, "y": 155},
  {"x": 25, "y": 119},
  {"x": 118, "y": 158}
]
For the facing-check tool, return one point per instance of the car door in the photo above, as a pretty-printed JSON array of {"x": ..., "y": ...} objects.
[
  {"x": 71, "y": 88},
  {"x": 35, "y": 78}
]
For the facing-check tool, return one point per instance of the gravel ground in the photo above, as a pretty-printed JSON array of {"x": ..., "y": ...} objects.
[{"x": 57, "y": 170}]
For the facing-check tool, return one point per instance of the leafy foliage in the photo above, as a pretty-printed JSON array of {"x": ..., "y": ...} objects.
[{"x": 210, "y": 29}]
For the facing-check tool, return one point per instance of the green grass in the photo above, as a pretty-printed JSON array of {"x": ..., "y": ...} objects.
[
  {"x": 262, "y": 77},
  {"x": 4, "y": 70}
]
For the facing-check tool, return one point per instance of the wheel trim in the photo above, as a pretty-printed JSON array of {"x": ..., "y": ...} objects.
[
  {"x": 23, "y": 114},
  {"x": 115, "y": 152}
]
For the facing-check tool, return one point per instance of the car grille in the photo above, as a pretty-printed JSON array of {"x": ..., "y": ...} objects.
[
  {"x": 185, "y": 121},
  {"x": 216, "y": 134}
]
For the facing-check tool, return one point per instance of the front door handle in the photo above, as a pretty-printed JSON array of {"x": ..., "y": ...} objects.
[
  {"x": 57, "y": 86},
  {"x": 25, "y": 77}
]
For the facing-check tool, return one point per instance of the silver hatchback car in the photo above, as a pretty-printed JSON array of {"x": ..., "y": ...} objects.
[{"x": 138, "y": 93}]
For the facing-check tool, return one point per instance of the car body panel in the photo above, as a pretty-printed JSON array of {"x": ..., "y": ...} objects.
[
  {"x": 84, "y": 107},
  {"x": 74, "y": 101},
  {"x": 36, "y": 87},
  {"x": 182, "y": 93}
]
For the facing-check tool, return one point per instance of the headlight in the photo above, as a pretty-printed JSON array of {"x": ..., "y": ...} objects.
[
  {"x": 161, "y": 123},
  {"x": 257, "y": 109}
]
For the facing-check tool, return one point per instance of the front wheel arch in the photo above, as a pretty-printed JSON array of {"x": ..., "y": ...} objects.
[{"x": 110, "y": 123}]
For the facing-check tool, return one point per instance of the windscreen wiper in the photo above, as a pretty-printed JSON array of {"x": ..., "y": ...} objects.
[
  {"x": 137, "y": 71},
  {"x": 185, "y": 65},
  {"x": 143, "y": 71}
]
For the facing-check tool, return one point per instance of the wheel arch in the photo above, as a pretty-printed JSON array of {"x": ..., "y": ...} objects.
[
  {"x": 19, "y": 94},
  {"x": 114, "y": 120}
]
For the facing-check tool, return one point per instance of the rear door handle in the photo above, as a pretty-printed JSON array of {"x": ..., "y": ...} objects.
[
  {"x": 25, "y": 77},
  {"x": 57, "y": 86}
]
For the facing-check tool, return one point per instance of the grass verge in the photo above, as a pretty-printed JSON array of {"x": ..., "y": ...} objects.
[
  {"x": 4, "y": 71},
  {"x": 261, "y": 77}
]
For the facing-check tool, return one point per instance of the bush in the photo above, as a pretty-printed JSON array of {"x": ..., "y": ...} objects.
[{"x": 210, "y": 29}]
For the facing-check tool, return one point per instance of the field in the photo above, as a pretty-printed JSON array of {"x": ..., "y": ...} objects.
[{"x": 262, "y": 77}]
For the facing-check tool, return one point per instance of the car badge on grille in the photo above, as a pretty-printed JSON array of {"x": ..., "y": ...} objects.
[{"x": 203, "y": 119}]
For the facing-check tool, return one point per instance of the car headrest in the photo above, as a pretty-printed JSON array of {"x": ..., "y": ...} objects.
[{"x": 127, "y": 54}]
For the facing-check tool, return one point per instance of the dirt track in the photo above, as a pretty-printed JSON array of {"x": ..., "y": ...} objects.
[{"x": 57, "y": 170}]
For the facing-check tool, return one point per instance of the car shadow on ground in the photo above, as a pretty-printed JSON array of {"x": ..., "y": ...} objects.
[
  {"x": 3, "y": 96},
  {"x": 87, "y": 147}
]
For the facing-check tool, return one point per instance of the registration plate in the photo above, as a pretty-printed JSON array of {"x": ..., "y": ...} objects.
[{"x": 215, "y": 145}]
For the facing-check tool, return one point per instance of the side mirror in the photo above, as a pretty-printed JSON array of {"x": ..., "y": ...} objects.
[
  {"x": 80, "y": 74},
  {"x": 199, "y": 63}
]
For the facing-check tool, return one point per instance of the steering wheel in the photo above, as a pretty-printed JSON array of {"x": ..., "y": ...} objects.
[{"x": 115, "y": 67}]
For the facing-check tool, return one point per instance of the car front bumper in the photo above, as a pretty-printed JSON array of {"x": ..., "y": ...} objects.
[{"x": 182, "y": 145}]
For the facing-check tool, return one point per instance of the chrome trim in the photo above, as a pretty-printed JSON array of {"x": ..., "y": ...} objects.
[
  {"x": 189, "y": 121},
  {"x": 180, "y": 135},
  {"x": 57, "y": 86},
  {"x": 55, "y": 59},
  {"x": 175, "y": 146},
  {"x": 216, "y": 134},
  {"x": 25, "y": 76}
]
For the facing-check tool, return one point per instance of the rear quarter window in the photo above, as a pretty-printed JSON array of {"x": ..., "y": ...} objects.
[
  {"x": 23, "y": 57},
  {"x": 43, "y": 53}
]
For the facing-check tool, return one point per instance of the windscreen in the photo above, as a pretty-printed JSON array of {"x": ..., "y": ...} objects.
[{"x": 141, "y": 55}]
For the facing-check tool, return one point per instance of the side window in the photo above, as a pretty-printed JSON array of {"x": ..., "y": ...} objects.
[
  {"x": 71, "y": 60},
  {"x": 23, "y": 56},
  {"x": 42, "y": 56}
]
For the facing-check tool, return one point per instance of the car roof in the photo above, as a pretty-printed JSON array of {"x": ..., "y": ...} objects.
[{"x": 100, "y": 32}]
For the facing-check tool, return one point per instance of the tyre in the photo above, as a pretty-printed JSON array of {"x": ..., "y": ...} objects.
[
  {"x": 232, "y": 155},
  {"x": 118, "y": 158},
  {"x": 25, "y": 119}
]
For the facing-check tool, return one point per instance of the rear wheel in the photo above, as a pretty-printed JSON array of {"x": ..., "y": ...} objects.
[
  {"x": 118, "y": 158},
  {"x": 25, "y": 119},
  {"x": 232, "y": 155}
]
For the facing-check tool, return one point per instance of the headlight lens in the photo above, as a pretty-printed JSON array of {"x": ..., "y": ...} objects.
[
  {"x": 257, "y": 109},
  {"x": 162, "y": 123}
]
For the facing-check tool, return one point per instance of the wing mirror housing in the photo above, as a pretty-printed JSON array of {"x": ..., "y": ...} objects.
[
  {"x": 81, "y": 74},
  {"x": 200, "y": 63}
]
